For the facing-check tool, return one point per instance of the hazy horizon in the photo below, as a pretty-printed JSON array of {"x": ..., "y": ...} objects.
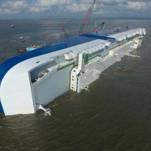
[{"x": 80, "y": 18}]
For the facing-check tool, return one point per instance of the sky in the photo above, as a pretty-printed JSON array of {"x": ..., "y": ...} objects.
[{"x": 74, "y": 8}]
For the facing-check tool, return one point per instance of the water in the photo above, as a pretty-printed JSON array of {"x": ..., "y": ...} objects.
[{"x": 114, "y": 115}]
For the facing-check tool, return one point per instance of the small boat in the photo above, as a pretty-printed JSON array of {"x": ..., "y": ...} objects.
[
  {"x": 33, "y": 47},
  {"x": 12, "y": 26}
]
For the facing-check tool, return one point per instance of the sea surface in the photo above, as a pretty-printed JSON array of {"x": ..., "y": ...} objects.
[{"x": 113, "y": 115}]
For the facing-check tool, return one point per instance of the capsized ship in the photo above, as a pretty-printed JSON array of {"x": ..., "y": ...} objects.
[{"x": 36, "y": 78}]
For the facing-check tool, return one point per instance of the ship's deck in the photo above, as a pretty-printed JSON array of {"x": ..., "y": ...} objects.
[{"x": 69, "y": 42}]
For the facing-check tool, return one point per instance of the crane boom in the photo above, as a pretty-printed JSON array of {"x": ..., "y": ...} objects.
[{"x": 87, "y": 17}]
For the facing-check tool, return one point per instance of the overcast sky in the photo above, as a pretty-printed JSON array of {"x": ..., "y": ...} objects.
[{"x": 73, "y": 8}]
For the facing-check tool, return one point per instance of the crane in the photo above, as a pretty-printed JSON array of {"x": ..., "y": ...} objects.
[
  {"x": 99, "y": 27},
  {"x": 87, "y": 17}
]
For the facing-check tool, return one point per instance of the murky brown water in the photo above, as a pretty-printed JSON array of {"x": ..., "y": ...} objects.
[{"x": 114, "y": 115}]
